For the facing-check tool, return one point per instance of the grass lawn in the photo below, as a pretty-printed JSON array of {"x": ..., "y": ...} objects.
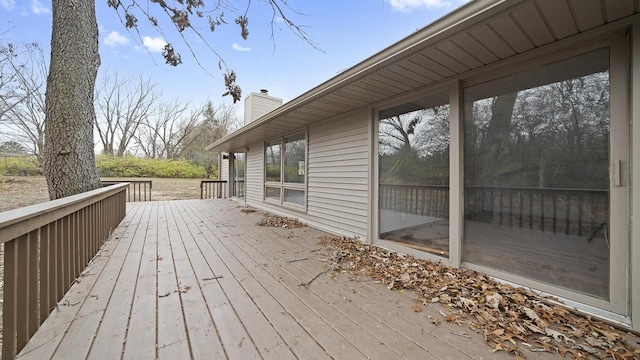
[{"x": 20, "y": 191}]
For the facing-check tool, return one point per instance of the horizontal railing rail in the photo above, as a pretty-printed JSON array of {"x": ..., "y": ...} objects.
[
  {"x": 581, "y": 212},
  {"x": 138, "y": 190},
  {"x": 213, "y": 189},
  {"x": 46, "y": 247}
]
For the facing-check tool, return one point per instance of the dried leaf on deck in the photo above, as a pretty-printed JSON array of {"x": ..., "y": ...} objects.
[
  {"x": 281, "y": 222},
  {"x": 506, "y": 315}
]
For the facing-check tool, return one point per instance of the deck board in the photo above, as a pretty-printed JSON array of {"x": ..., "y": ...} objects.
[{"x": 199, "y": 279}]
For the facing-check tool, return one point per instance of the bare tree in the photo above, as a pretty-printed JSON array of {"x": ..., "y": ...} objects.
[
  {"x": 122, "y": 105},
  {"x": 70, "y": 114},
  {"x": 216, "y": 122},
  {"x": 164, "y": 132},
  {"x": 22, "y": 97}
]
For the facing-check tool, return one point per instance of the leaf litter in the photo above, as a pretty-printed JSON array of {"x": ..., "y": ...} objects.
[
  {"x": 281, "y": 222},
  {"x": 511, "y": 319}
]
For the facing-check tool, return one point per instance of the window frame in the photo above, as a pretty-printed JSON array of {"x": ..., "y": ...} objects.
[{"x": 283, "y": 185}]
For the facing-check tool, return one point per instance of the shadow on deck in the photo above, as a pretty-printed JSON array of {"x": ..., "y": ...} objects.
[{"x": 199, "y": 279}]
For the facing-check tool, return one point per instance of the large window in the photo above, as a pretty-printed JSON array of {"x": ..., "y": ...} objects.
[
  {"x": 536, "y": 167},
  {"x": 285, "y": 170},
  {"x": 413, "y": 163}
]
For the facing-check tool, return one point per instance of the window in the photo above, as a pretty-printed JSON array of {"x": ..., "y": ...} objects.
[
  {"x": 239, "y": 169},
  {"x": 285, "y": 170},
  {"x": 413, "y": 179},
  {"x": 272, "y": 161},
  {"x": 536, "y": 174}
]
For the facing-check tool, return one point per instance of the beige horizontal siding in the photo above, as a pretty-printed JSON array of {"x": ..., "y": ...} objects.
[
  {"x": 338, "y": 174},
  {"x": 255, "y": 175},
  {"x": 337, "y": 177}
]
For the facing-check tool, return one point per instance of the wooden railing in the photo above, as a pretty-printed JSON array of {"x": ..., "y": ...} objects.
[
  {"x": 138, "y": 190},
  {"x": 46, "y": 247},
  {"x": 424, "y": 200},
  {"x": 213, "y": 189},
  {"x": 581, "y": 212}
]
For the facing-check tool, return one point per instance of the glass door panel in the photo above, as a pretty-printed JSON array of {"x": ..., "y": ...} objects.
[
  {"x": 413, "y": 163},
  {"x": 239, "y": 169},
  {"x": 537, "y": 184}
]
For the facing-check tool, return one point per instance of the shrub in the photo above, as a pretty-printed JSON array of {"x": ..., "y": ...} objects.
[
  {"x": 130, "y": 166},
  {"x": 19, "y": 166}
]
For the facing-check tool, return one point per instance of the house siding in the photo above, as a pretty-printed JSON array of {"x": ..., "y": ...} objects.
[
  {"x": 255, "y": 173},
  {"x": 337, "y": 193},
  {"x": 337, "y": 176}
]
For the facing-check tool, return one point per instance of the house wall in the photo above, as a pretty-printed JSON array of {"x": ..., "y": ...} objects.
[
  {"x": 337, "y": 176},
  {"x": 254, "y": 178}
]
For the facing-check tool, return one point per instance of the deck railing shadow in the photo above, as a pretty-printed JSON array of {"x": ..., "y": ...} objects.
[{"x": 46, "y": 247}]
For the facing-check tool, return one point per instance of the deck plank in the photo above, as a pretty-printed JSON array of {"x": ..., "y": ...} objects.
[
  {"x": 79, "y": 336},
  {"x": 203, "y": 336},
  {"x": 261, "y": 333},
  {"x": 362, "y": 310},
  {"x": 111, "y": 334},
  {"x": 141, "y": 334},
  {"x": 333, "y": 331},
  {"x": 172, "y": 335},
  {"x": 244, "y": 299}
]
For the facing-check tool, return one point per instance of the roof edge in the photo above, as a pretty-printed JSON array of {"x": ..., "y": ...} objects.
[{"x": 473, "y": 9}]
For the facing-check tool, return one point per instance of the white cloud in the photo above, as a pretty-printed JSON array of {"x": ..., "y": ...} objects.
[
  {"x": 153, "y": 44},
  {"x": 407, "y": 5},
  {"x": 237, "y": 47},
  {"x": 38, "y": 8},
  {"x": 8, "y": 4},
  {"x": 116, "y": 39}
]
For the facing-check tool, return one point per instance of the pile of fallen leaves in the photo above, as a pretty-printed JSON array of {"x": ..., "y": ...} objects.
[
  {"x": 511, "y": 319},
  {"x": 281, "y": 221}
]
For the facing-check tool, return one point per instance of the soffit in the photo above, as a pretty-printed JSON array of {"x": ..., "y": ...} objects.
[{"x": 480, "y": 33}]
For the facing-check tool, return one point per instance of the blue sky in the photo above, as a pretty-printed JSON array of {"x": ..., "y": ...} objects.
[{"x": 347, "y": 31}]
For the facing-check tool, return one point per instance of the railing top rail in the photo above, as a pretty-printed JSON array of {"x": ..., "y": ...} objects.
[
  {"x": 212, "y": 182},
  {"x": 17, "y": 222}
]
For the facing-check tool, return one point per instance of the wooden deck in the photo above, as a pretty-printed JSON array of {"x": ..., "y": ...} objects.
[{"x": 199, "y": 279}]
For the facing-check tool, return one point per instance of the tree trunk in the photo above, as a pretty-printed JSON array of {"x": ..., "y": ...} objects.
[
  {"x": 492, "y": 146},
  {"x": 69, "y": 153}
]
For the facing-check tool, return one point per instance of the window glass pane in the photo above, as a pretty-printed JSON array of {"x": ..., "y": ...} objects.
[
  {"x": 413, "y": 177},
  {"x": 294, "y": 196},
  {"x": 272, "y": 160},
  {"x": 536, "y": 174},
  {"x": 272, "y": 193},
  {"x": 294, "y": 158},
  {"x": 239, "y": 166}
]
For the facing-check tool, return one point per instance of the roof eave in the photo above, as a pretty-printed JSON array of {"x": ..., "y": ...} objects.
[{"x": 452, "y": 22}]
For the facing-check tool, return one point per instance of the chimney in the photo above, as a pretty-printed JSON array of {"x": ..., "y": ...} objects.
[{"x": 259, "y": 104}]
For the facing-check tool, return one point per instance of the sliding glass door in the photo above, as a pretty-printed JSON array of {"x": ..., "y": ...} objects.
[{"x": 537, "y": 174}]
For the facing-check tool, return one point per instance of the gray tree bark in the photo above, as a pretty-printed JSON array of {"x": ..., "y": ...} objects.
[{"x": 69, "y": 153}]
